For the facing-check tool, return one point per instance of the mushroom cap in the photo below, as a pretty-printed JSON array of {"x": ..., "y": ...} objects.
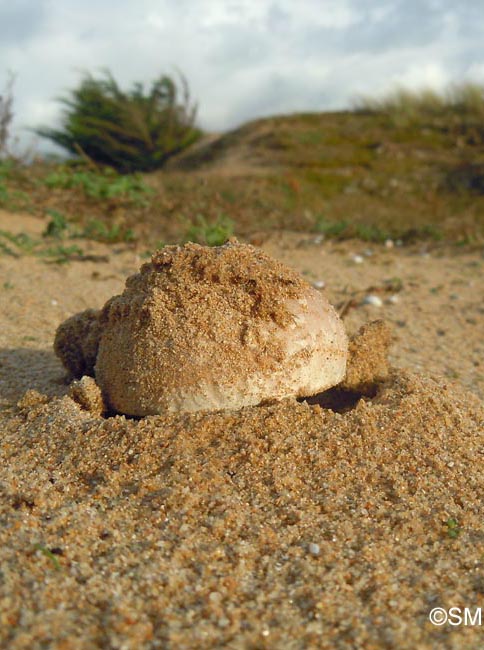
[{"x": 202, "y": 328}]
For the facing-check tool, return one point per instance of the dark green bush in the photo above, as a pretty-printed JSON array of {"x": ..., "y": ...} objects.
[{"x": 129, "y": 130}]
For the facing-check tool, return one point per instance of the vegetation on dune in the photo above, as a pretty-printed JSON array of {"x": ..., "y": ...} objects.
[
  {"x": 134, "y": 130},
  {"x": 365, "y": 173},
  {"x": 408, "y": 166},
  {"x": 100, "y": 184},
  {"x": 463, "y": 101}
]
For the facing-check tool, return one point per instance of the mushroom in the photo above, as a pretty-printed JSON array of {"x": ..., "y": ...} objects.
[{"x": 202, "y": 328}]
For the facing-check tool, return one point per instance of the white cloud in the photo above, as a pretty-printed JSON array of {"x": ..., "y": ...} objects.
[
  {"x": 475, "y": 71},
  {"x": 427, "y": 75}
]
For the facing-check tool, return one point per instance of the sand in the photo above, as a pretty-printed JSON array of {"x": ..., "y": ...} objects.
[{"x": 281, "y": 526}]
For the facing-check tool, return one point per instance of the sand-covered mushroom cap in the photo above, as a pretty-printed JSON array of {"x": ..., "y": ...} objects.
[{"x": 202, "y": 328}]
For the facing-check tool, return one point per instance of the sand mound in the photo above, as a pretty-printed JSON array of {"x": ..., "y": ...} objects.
[{"x": 276, "y": 526}]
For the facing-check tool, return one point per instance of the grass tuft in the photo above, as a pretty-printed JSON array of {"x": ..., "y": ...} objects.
[
  {"x": 98, "y": 230},
  {"x": 210, "y": 233},
  {"x": 465, "y": 101}
]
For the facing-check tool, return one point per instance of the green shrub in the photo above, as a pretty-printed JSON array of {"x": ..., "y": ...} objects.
[{"x": 129, "y": 130}]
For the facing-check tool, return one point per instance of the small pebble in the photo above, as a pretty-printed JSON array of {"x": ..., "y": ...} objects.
[
  {"x": 357, "y": 259},
  {"x": 319, "y": 284},
  {"x": 394, "y": 299},
  {"x": 54, "y": 303},
  {"x": 389, "y": 243},
  {"x": 314, "y": 549},
  {"x": 375, "y": 301}
]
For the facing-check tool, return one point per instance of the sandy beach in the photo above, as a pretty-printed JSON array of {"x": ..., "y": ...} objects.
[{"x": 286, "y": 525}]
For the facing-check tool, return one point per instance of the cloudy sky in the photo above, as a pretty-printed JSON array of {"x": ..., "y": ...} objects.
[{"x": 242, "y": 58}]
